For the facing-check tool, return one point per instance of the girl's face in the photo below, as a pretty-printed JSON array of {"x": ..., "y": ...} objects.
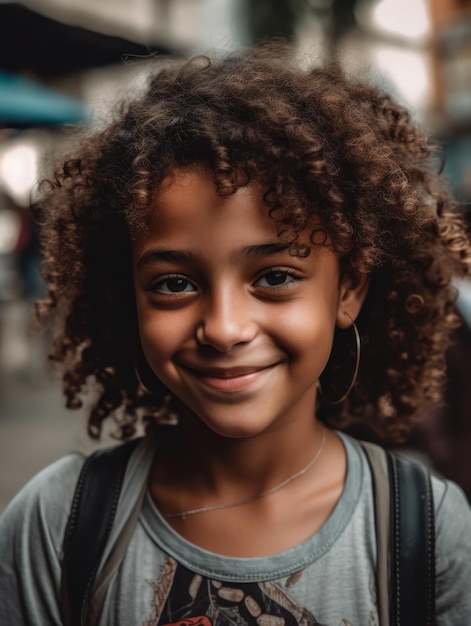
[{"x": 237, "y": 328}]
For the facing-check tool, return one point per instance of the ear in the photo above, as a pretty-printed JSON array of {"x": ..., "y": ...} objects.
[{"x": 353, "y": 290}]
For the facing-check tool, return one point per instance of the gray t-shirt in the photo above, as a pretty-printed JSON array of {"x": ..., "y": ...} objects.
[{"x": 163, "y": 579}]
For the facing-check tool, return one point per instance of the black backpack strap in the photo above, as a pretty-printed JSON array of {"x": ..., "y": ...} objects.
[
  {"x": 89, "y": 525},
  {"x": 405, "y": 532},
  {"x": 413, "y": 543}
]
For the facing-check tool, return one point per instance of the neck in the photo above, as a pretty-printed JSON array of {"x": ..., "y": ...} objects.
[{"x": 231, "y": 468}]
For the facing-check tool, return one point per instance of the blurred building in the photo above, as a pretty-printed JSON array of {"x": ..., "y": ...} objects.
[{"x": 451, "y": 54}]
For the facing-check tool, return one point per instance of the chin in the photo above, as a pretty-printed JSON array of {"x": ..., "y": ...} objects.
[
  {"x": 236, "y": 433},
  {"x": 232, "y": 428}
]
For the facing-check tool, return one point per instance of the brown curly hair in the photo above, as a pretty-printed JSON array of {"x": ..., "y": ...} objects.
[{"x": 320, "y": 144}]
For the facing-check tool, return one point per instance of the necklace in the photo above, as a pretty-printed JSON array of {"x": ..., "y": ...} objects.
[{"x": 218, "y": 507}]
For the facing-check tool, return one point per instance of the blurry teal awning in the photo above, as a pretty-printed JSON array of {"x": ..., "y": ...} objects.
[{"x": 24, "y": 102}]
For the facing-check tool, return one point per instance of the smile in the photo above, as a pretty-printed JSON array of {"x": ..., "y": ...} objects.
[{"x": 230, "y": 379}]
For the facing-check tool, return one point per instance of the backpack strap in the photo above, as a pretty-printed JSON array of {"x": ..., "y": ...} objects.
[
  {"x": 88, "y": 527},
  {"x": 413, "y": 543},
  {"x": 405, "y": 532}
]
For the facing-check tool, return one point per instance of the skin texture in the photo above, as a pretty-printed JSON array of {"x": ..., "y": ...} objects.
[{"x": 239, "y": 330}]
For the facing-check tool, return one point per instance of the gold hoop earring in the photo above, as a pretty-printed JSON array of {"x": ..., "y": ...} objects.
[{"x": 355, "y": 370}]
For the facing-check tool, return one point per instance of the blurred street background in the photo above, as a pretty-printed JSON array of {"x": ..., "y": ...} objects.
[{"x": 62, "y": 66}]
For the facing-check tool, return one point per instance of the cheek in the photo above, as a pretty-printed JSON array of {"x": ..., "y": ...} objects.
[
  {"x": 307, "y": 332},
  {"x": 162, "y": 334},
  {"x": 155, "y": 340}
]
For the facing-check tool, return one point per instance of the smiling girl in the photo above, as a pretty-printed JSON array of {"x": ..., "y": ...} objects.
[{"x": 251, "y": 260}]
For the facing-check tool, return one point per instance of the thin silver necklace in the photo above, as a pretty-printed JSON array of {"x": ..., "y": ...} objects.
[{"x": 218, "y": 507}]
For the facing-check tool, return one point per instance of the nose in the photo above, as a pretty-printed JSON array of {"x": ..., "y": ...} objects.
[{"x": 227, "y": 320}]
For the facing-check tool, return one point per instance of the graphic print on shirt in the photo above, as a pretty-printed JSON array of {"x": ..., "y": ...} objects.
[{"x": 183, "y": 598}]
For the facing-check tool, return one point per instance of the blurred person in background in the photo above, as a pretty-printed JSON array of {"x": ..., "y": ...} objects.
[{"x": 22, "y": 350}]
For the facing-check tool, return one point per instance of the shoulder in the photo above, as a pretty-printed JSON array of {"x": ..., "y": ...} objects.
[
  {"x": 448, "y": 496},
  {"x": 43, "y": 504},
  {"x": 452, "y": 547},
  {"x": 452, "y": 509},
  {"x": 453, "y": 552},
  {"x": 31, "y": 536},
  {"x": 452, "y": 521}
]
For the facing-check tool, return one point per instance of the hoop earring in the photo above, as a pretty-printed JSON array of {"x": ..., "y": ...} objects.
[{"x": 355, "y": 370}]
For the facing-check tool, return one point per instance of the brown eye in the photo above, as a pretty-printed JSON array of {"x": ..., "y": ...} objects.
[
  {"x": 276, "y": 278},
  {"x": 173, "y": 284},
  {"x": 177, "y": 284}
]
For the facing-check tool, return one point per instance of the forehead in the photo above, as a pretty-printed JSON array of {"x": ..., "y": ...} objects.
[
  {"x": 194, "y": 188},
  {"x": 188, "y": 205},
  {"x": 187, "y": 212}
]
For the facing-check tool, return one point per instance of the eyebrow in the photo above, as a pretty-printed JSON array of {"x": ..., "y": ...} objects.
[
  {"x": 264, "y": 249},
  {"x": 170, "y": 256},
  {"x": 187, "y": 256}
]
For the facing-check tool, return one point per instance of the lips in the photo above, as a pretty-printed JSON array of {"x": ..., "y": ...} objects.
[
  {"x": 229, "y": 372},
  {"x": 235, "y": 378}
]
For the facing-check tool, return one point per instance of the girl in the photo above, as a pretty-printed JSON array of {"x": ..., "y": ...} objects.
[{"x": 251, "y": 259}]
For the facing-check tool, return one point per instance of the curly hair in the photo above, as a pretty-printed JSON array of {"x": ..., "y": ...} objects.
[{"x": 320, "y": 144}]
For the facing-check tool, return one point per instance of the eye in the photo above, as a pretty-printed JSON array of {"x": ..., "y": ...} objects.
[
  {"x": 277, "y": 278},
  {"x": 173, "y": 285}
]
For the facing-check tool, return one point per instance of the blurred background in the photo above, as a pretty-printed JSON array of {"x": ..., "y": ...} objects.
[{"x": 62, "y": 66}]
